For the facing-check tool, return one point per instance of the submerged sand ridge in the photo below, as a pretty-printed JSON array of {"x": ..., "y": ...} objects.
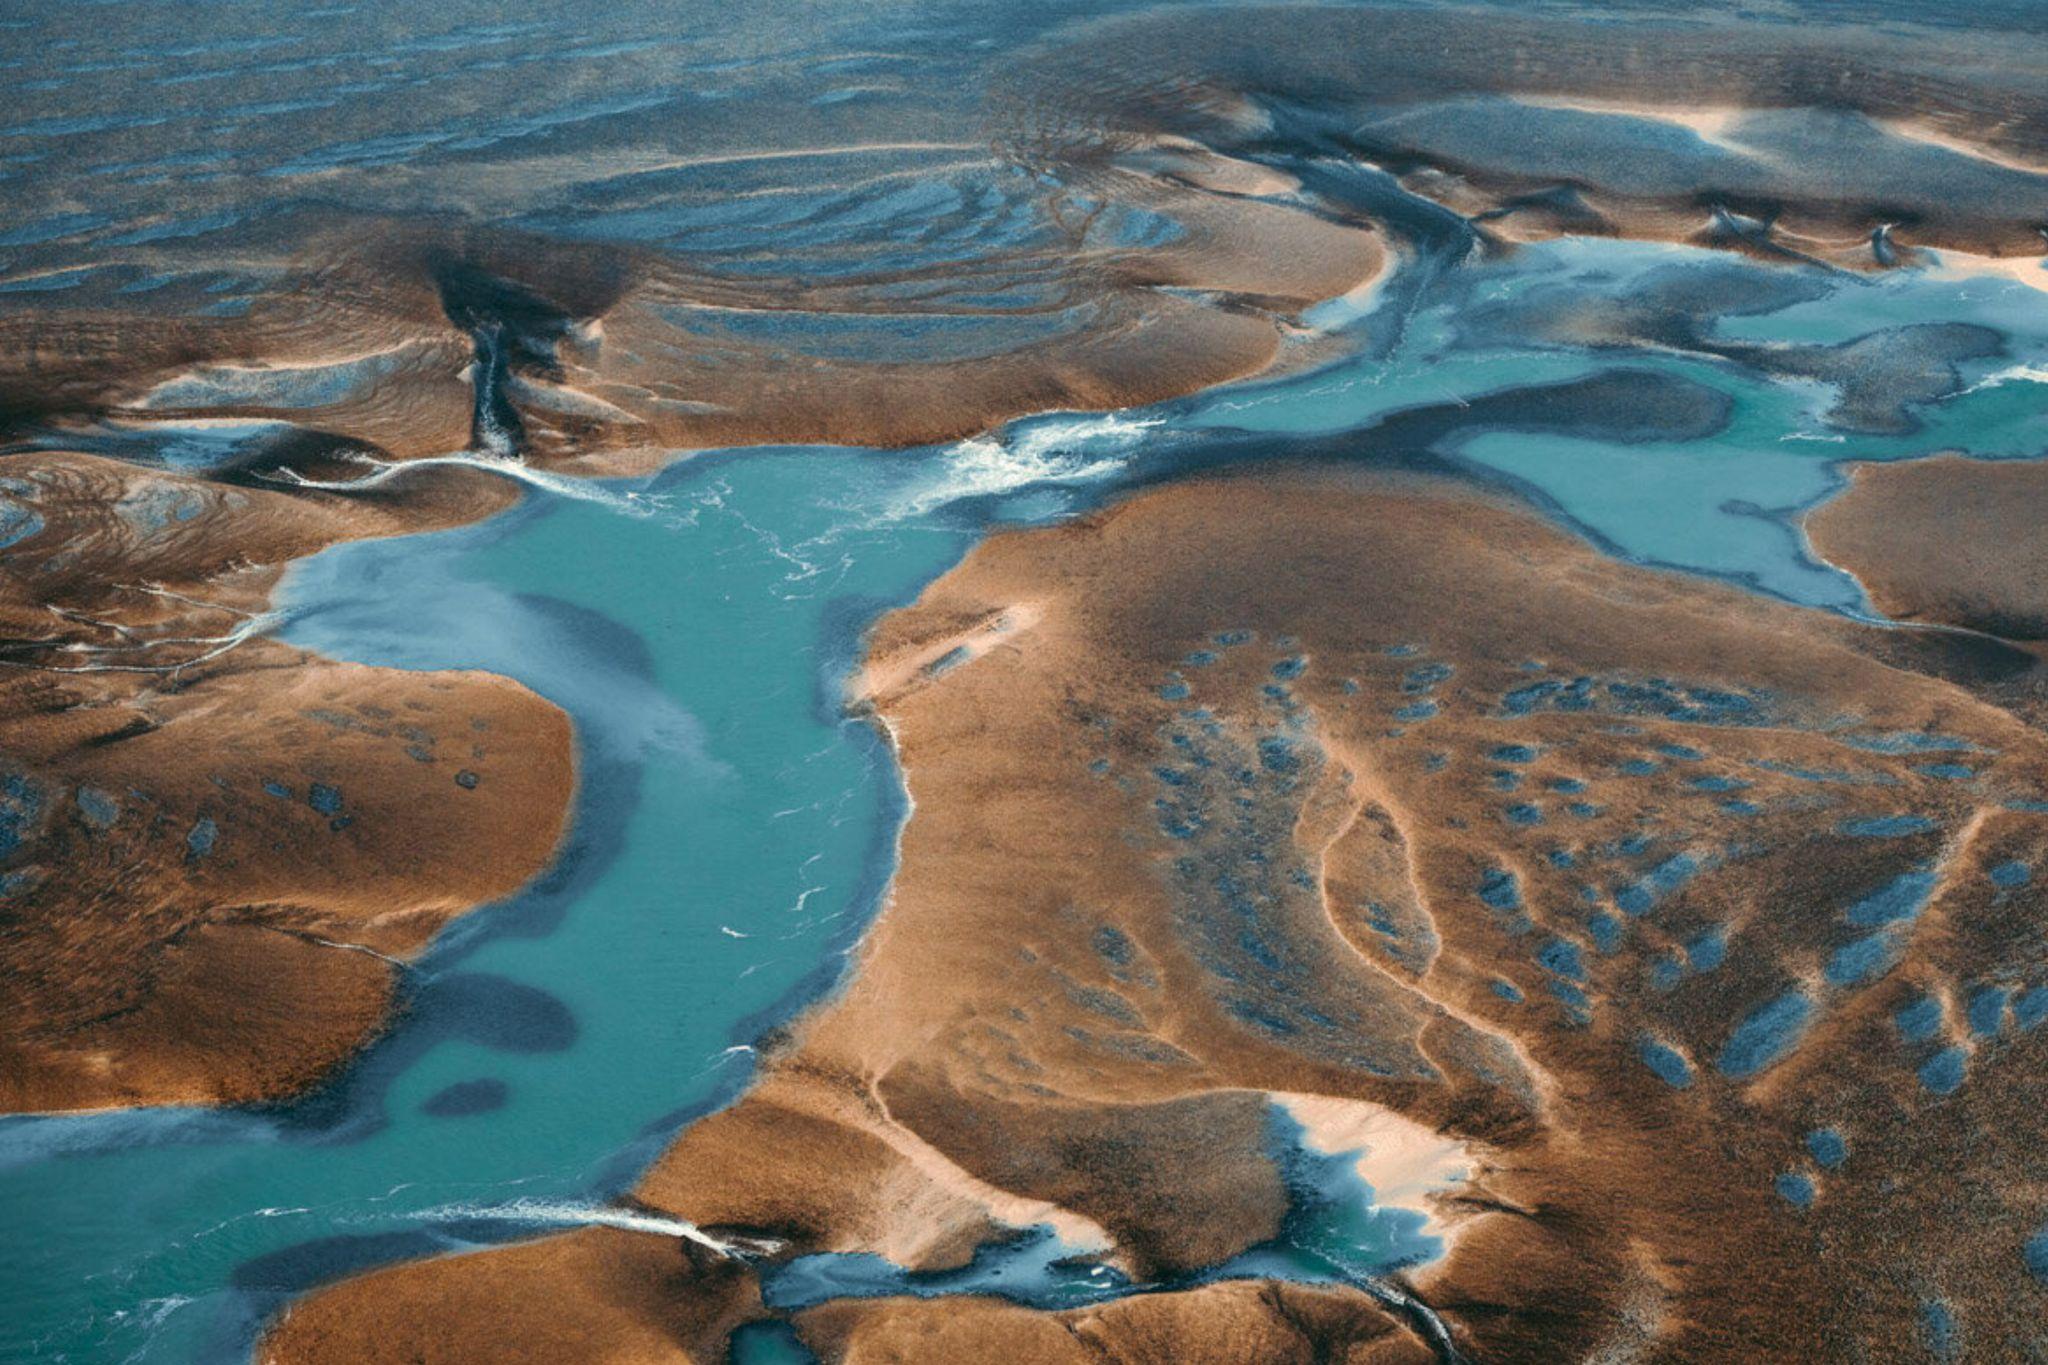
[{"x": 1672, "y": 911}]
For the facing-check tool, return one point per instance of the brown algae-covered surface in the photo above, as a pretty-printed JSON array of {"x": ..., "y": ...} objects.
[
  {"x": 1947, "y": 540},
  {"x": 141, "y": 598},
  {"x": 1665, "y": 958}
]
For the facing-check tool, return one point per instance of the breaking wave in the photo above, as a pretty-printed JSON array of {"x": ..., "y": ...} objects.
[{"x": 1066, "y": 450}]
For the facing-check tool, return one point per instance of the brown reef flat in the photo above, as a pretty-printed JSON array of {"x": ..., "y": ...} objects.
[
  {"x": 1949, "y": 540},
  {"x": 219, "y": 848},
  {"x": 1682, "y": 923},
  {"x": 655, "y": 1304},
  {"x": 223, "y": 922},
  {"x": 1271, "y": 1322},
  {"x": 1698, "y": 933}
]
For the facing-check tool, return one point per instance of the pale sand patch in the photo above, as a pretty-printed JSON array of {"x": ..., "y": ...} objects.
[
  {"x": 1340, "y": 311},
  {"x": 1204, "y": 169},
  {"x": 2031, "y": 271},
  {"x": 1932, "y": 135},
  {"x": 422, "y": 347},
  {"x": 912, "y": 1239},
  {"x": 883, "y": 677},
  {"x": 1711, "y": 123},
  {"x": 1406, "y": 1163}
]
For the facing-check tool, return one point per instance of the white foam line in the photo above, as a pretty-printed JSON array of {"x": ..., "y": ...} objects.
[
  {"x": 1069, "y": 451},
  {"x": 248, "y": 626},
  {"x": 358, "y": 948},
  {"x": 511, "y": 466},
  {"x": 2014, "y": 374},
  {"x": 549, "y": 1213}
]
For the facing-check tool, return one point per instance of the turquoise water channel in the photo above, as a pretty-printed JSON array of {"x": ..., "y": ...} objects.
[{"x": 732, "y": 834}]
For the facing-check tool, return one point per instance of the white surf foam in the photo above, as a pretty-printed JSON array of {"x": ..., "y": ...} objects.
[
  {"x": 2012, "y": 374},
  {"x": 1072, "y": 450},
  {"x": 552, "y": 1213},
  {"x": 511, "y": 466}
]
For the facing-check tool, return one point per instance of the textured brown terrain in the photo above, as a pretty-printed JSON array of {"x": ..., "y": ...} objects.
[
  {"x": 617, "y": 357},
  {"x": 1946, "y": 540},
  {"x": 1223, "y": 1324},
  {"x": 1677, "y": 952},
  {"x": 1686, "y": 919},
  {"x": 218, "y": 847}
]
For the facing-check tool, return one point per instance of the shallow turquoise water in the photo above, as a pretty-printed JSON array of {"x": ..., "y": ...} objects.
[
  {"x": 732, "y": 835},
  {"x": 733, "y": 831},
  {"x": 1335, "y": 1232},
  {"x": 1723, "y": 502}
]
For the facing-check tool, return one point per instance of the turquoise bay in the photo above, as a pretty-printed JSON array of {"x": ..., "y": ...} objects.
[{"x": 732, "y": 835}]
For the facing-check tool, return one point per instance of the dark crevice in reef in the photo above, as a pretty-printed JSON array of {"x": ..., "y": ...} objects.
[
  {"x": 135, "y": 728},
  {"x": 1312, "y": 145},
  {"x": 514, "y": 329},
  {"x": 505, "y": 322},
  {"x": 495, "y": 427},
  {"x": 1319, "y": 146},
  {"x": 1423, "y": 1319},
  {"x": 477, "y": 300}
]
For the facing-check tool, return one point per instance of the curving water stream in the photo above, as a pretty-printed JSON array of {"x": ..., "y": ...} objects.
[{"x": 732, "y": 835}]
